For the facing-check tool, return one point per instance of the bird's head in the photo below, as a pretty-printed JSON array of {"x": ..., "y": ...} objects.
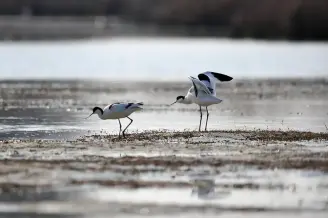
[
  {"x": 96, "y": 110},
  {"x": 179, "y": 99}
]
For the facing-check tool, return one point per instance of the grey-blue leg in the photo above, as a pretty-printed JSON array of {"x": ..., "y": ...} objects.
[
  {"x": 119, "y": 134},
  {"x": 206, "y": 119},
  {"x": 127, "y": 126},
  {"x": 201, "y": 116}
]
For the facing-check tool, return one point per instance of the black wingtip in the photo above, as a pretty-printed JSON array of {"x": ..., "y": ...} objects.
[
  {"x": 222, "y": 77},
  {"x": 140, "y": 103}
]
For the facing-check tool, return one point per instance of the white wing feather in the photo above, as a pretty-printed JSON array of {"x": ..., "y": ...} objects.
[
  {"x": 211, "y": 85},
  {"x": 201, "y": 88}
]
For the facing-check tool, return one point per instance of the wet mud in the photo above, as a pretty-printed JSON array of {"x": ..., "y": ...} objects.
[
  {"x": 66, "y": 171},
  {"x": 160, "y": 152}
]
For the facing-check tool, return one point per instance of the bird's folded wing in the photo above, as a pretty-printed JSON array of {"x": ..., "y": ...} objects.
[
  {"x": 111, "y": 106},
  {"x": 200, "y": 87}
]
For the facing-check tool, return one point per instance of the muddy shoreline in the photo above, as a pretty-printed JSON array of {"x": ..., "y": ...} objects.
[
  {"x": 53, "y": 161},
  {"x": 170, "y": 150},
  {"x": 78, "y": 163},
  {"x": 163, "y": 160}
]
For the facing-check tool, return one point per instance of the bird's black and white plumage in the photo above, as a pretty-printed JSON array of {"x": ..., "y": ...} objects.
[
  {"x": 203, "y": 91},
  {"x": 206, "y": 82},
  {"x": 117, "y": 111}
]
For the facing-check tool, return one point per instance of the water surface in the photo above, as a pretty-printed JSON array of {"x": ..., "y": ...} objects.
[
  {"x": 57, "y": 109},
  {"x": 161, "y": 58},
  {"x": 38, "y": 177}
]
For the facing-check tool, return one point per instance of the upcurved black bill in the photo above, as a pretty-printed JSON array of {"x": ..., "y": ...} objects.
[
  {"x": 88, "y": 116},
  {"x": 172, "y": 103}
]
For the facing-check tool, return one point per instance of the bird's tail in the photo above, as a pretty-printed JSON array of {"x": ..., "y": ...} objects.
[
  {"x": 138, "y": 106},
  {"x": 218, "y": 100}
]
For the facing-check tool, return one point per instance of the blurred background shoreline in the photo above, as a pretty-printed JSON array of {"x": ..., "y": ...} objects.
[{"x": 68, "y": 19}]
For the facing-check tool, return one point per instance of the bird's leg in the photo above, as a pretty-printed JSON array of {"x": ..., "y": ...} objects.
[
  {"x": 119, "y": 134},
  {"x": 206, "y": 119},
  {"x": 201, "y": 116},
  {"x": 127, "y": 126}
]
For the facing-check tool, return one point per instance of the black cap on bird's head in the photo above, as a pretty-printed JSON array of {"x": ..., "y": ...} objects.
[
  {"x": 94, "y": 111},
  {"x": 179, "y": 98},
  {"x": 96, "y": 108}
]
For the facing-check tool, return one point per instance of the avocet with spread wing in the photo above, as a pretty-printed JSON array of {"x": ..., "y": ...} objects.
[{"x": 203, "y": 92}]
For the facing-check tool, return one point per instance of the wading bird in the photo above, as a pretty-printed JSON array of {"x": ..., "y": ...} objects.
[
  {"x": 117, "y": 111},
  {"x": 203, "y": 92}
]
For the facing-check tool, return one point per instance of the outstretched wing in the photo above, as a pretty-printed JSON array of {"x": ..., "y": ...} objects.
[
  {"x": 199, "y": 87},
  {"x": 209, "y": 79}
]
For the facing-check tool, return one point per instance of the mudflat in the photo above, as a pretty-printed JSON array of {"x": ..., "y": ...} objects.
[
  {"x": 204, "y": 171},
  {"x": 266, "y": 153}
]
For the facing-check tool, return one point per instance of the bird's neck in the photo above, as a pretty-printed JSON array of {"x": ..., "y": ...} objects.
[
  {"x": 185, "y": 101},
  {"x": 100, "y": 114}
]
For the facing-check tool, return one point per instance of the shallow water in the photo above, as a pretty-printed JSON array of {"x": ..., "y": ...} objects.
[
  {"x": 71, "y": 175},
  {"x": 207, "y": 191},
  {"x": 56, "y": 109},
  {"x": 51, "y": 126}
]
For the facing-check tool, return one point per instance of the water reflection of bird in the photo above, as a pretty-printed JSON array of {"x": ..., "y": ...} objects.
[
  {"x": 205, "y": 189},
  {"x": 203, "y": 92},
  {"x": 117, "y": 111}
]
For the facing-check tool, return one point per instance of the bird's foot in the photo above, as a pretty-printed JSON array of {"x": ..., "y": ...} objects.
[{"x": 123, "y": 135}]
